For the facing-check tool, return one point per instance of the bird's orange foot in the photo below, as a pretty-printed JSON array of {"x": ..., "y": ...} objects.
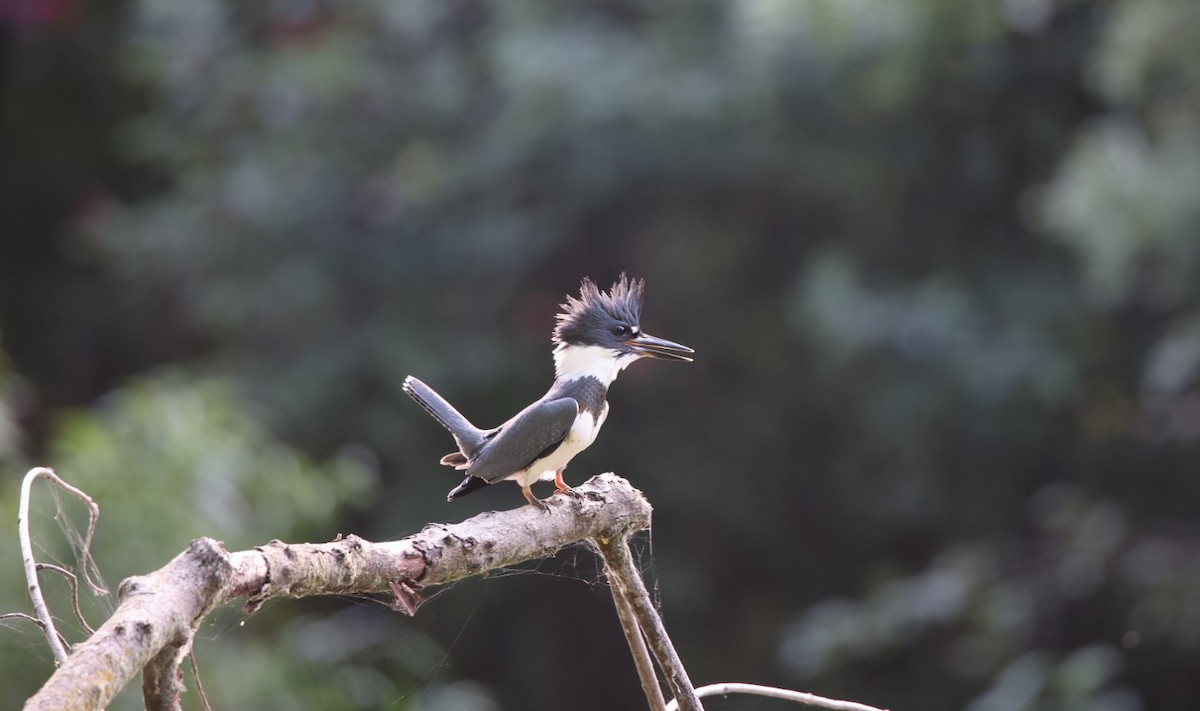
[
  {"x": 562, "y": 486},
  {"x": 569, "y": 492},
  {"x": 535, "y": 501}
]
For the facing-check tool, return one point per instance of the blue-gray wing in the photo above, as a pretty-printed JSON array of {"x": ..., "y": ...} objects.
[{"x": 533, "y": 433}]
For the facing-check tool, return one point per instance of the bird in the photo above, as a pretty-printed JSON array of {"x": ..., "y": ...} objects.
[{"x": 596, "y": 336}]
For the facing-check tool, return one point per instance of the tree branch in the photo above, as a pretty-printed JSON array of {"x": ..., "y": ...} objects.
[
  {"x": 626, "y": 580},
  {"x": 154, "y": 625},
  {"x": 637, "y": 647},
  {"x": 158, "y": 613}
]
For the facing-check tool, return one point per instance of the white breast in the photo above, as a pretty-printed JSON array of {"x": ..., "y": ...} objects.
[{"x": 582, "y": 433}]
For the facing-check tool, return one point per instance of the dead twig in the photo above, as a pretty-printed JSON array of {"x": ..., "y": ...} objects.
[
  {"x": 637, "y": 647},
  {"x": 33, "y": 620},
  {"x": 772, "y": 692},
  {"x": 35, "y": 587},
  {"x": 627, "y": 579},
  {"x": 196, "y": 678},
  {"x": 74, "y": 581}
]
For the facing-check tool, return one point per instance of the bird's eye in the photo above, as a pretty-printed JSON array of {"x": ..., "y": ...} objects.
[{"x": 621, "y": 331}]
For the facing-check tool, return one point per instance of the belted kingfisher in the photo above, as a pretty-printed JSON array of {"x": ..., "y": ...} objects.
[{"x": 596, "y": 337}]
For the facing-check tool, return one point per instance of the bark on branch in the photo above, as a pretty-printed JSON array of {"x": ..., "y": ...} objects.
[{"x": 158, "y": 613}]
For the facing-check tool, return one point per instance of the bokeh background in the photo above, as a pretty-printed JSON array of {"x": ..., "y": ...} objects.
[{"x": 940, "y": 262}]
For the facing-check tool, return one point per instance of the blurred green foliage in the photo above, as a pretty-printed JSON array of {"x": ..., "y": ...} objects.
[
  {"x": 204, "y": 462},
  {"x": 938, "y": 260}
]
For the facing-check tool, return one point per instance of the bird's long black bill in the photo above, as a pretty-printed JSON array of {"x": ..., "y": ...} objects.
[{"x": 660, "y": 348}]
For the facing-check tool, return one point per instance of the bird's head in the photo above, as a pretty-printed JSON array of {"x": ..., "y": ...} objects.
[{"x": 600, "y": 332}]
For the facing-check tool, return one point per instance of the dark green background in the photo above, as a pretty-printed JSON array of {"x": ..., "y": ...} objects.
[{"x": 939, "y": 260}]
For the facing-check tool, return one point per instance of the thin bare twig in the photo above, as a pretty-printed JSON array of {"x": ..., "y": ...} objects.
[
  {"x": 31, "y": 619},
  {"x": 86, "y": 563},
  {"x": 623, "y": 574},
  {"x": 35, "y": 587},
  {"x": 775, "y": 693},
  {"x": 196, "y": 678},
  {"x": 74, "y": 581},
  {"x": 22, "y": 616}
]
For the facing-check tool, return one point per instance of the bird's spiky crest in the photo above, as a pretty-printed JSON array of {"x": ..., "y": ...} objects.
[{"x": 622, "y": 302}]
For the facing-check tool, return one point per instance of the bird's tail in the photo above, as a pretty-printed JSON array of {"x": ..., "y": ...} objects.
[
  {"x": 468, "y": 437},
  {"x": 469, "y": 484}
]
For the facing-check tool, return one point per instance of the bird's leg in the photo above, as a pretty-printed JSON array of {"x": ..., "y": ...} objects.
[
  {"x": 533, "y": 500},
  {"x": 562, "y": 485}
]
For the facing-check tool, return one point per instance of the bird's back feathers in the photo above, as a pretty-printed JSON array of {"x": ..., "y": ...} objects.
[{"x": 534, "y": 433}]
